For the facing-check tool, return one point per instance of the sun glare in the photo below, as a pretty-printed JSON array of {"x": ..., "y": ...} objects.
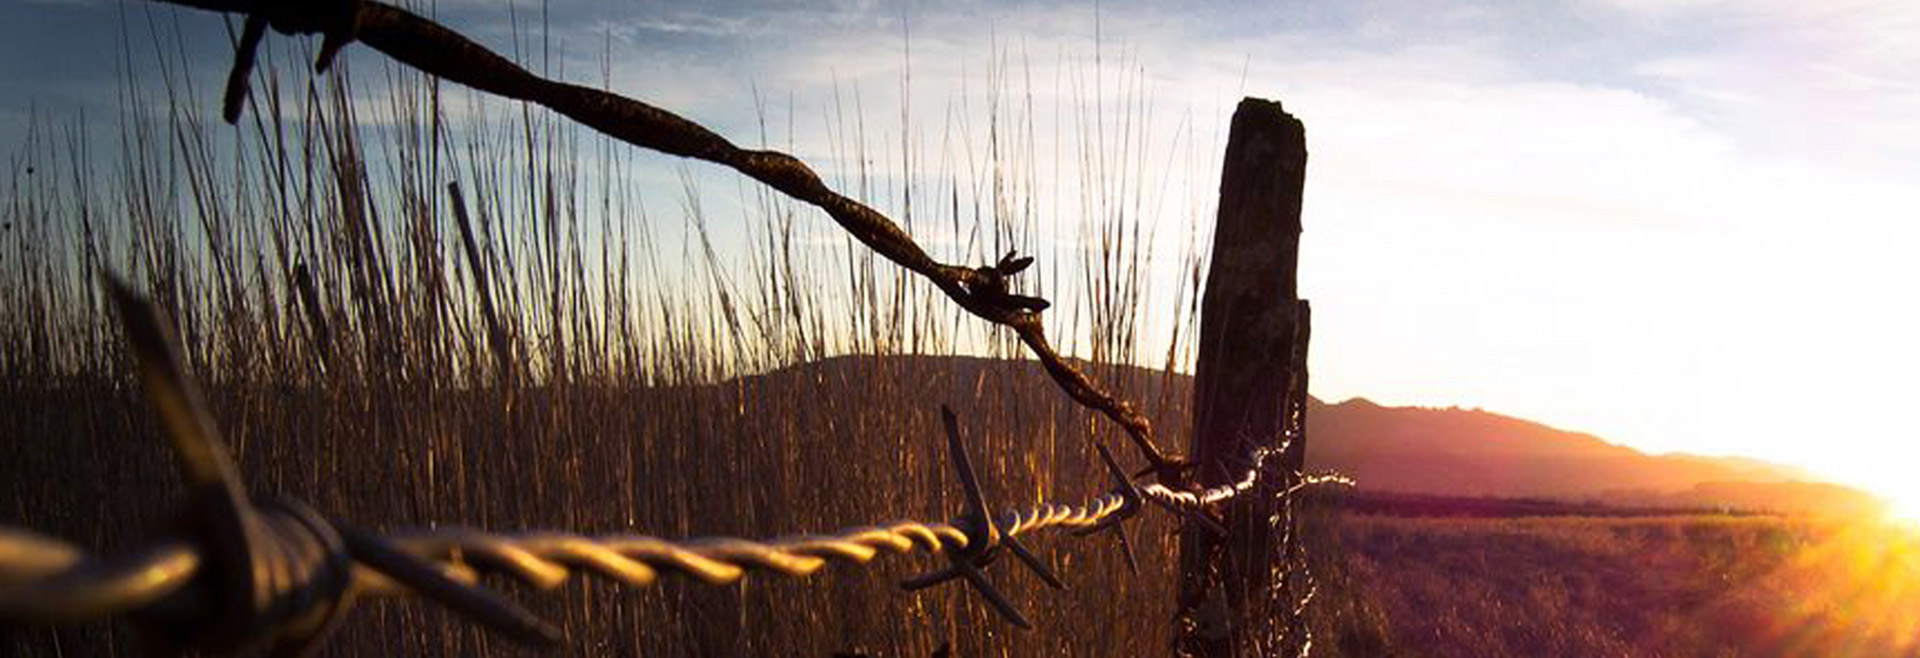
[{"x": 1902, "y": 506}]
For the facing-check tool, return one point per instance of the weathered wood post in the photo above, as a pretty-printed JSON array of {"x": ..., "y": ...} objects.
[{"x": 1250, "y": 387}]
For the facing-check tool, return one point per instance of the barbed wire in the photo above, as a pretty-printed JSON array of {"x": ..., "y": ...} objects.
[
  {"x": 435, "y": 49},
  {"x": 239, "y": 572}
]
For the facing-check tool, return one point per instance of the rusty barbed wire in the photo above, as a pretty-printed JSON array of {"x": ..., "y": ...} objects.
[
  {"x": 435, "y": 49},
  {"x": 240, "y": 572}
]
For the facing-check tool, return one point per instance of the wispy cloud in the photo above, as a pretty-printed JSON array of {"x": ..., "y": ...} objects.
[
  {"x": 1837, "y": 80},
  {"x": 708, "y": 26}
]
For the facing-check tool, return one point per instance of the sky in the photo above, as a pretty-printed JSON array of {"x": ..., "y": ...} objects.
[{"x": 1681, "y": 225}]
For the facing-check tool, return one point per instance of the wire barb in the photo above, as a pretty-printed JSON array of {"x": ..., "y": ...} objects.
[
  {"x": 239, "y": 80},
  {"x": 476, "y": 603},
  {"x": 984, "y": 536},
  {"x": 1130, "y": 506},
  {"x": 337, "y": 21},
  {"x": 278, "y": 573}
]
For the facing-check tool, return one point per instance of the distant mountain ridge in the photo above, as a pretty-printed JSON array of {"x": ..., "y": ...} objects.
[
  {"x": 1475, "y": 452},
  {"x": 1412, "y": 450},
  {"x": 1472, "y": 452}
]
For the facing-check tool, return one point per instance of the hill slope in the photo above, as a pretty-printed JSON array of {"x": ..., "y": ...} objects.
[
  {"x": 1473, "y": 452},
  {"x": 1452, "y": 451}
]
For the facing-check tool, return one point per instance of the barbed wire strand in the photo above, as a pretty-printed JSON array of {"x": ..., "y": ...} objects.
[{"x": 435, "y": 49}]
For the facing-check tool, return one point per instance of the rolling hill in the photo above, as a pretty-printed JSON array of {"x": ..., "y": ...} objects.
[
  {"x": 1415, "y": 450},
  {"x": 1471, "y": 452}
]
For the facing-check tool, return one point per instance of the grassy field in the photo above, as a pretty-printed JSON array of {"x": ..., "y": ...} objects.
[
  {"x": 570, "y": 358},
  {"x": 1693, "y": 585}
]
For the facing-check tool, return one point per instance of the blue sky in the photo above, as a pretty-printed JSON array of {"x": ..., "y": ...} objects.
[{"x": 1683, "y": 225}]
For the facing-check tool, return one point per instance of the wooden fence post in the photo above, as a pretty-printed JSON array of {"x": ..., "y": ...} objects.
[{"x": 1236, "y": 597}]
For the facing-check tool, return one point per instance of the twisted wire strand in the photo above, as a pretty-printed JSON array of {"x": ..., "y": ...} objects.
[
  {"x": 1194, "y": 501},
  {"x": 545, "y": 560},
  {"x": 46, "y": 579}
]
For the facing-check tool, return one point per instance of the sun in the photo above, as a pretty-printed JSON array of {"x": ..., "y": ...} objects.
[
  {"x": 1902, "y": 505},
  {"x": 1896, "y": 492}
]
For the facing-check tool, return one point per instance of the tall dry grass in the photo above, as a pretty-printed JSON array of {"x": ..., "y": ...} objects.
[{"x": 574, "y": 355}]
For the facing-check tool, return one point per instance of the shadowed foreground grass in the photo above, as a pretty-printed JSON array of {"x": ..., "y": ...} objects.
[
  {"x": 1652, "y": 586},
  {"x": 829, "y": 445}
]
